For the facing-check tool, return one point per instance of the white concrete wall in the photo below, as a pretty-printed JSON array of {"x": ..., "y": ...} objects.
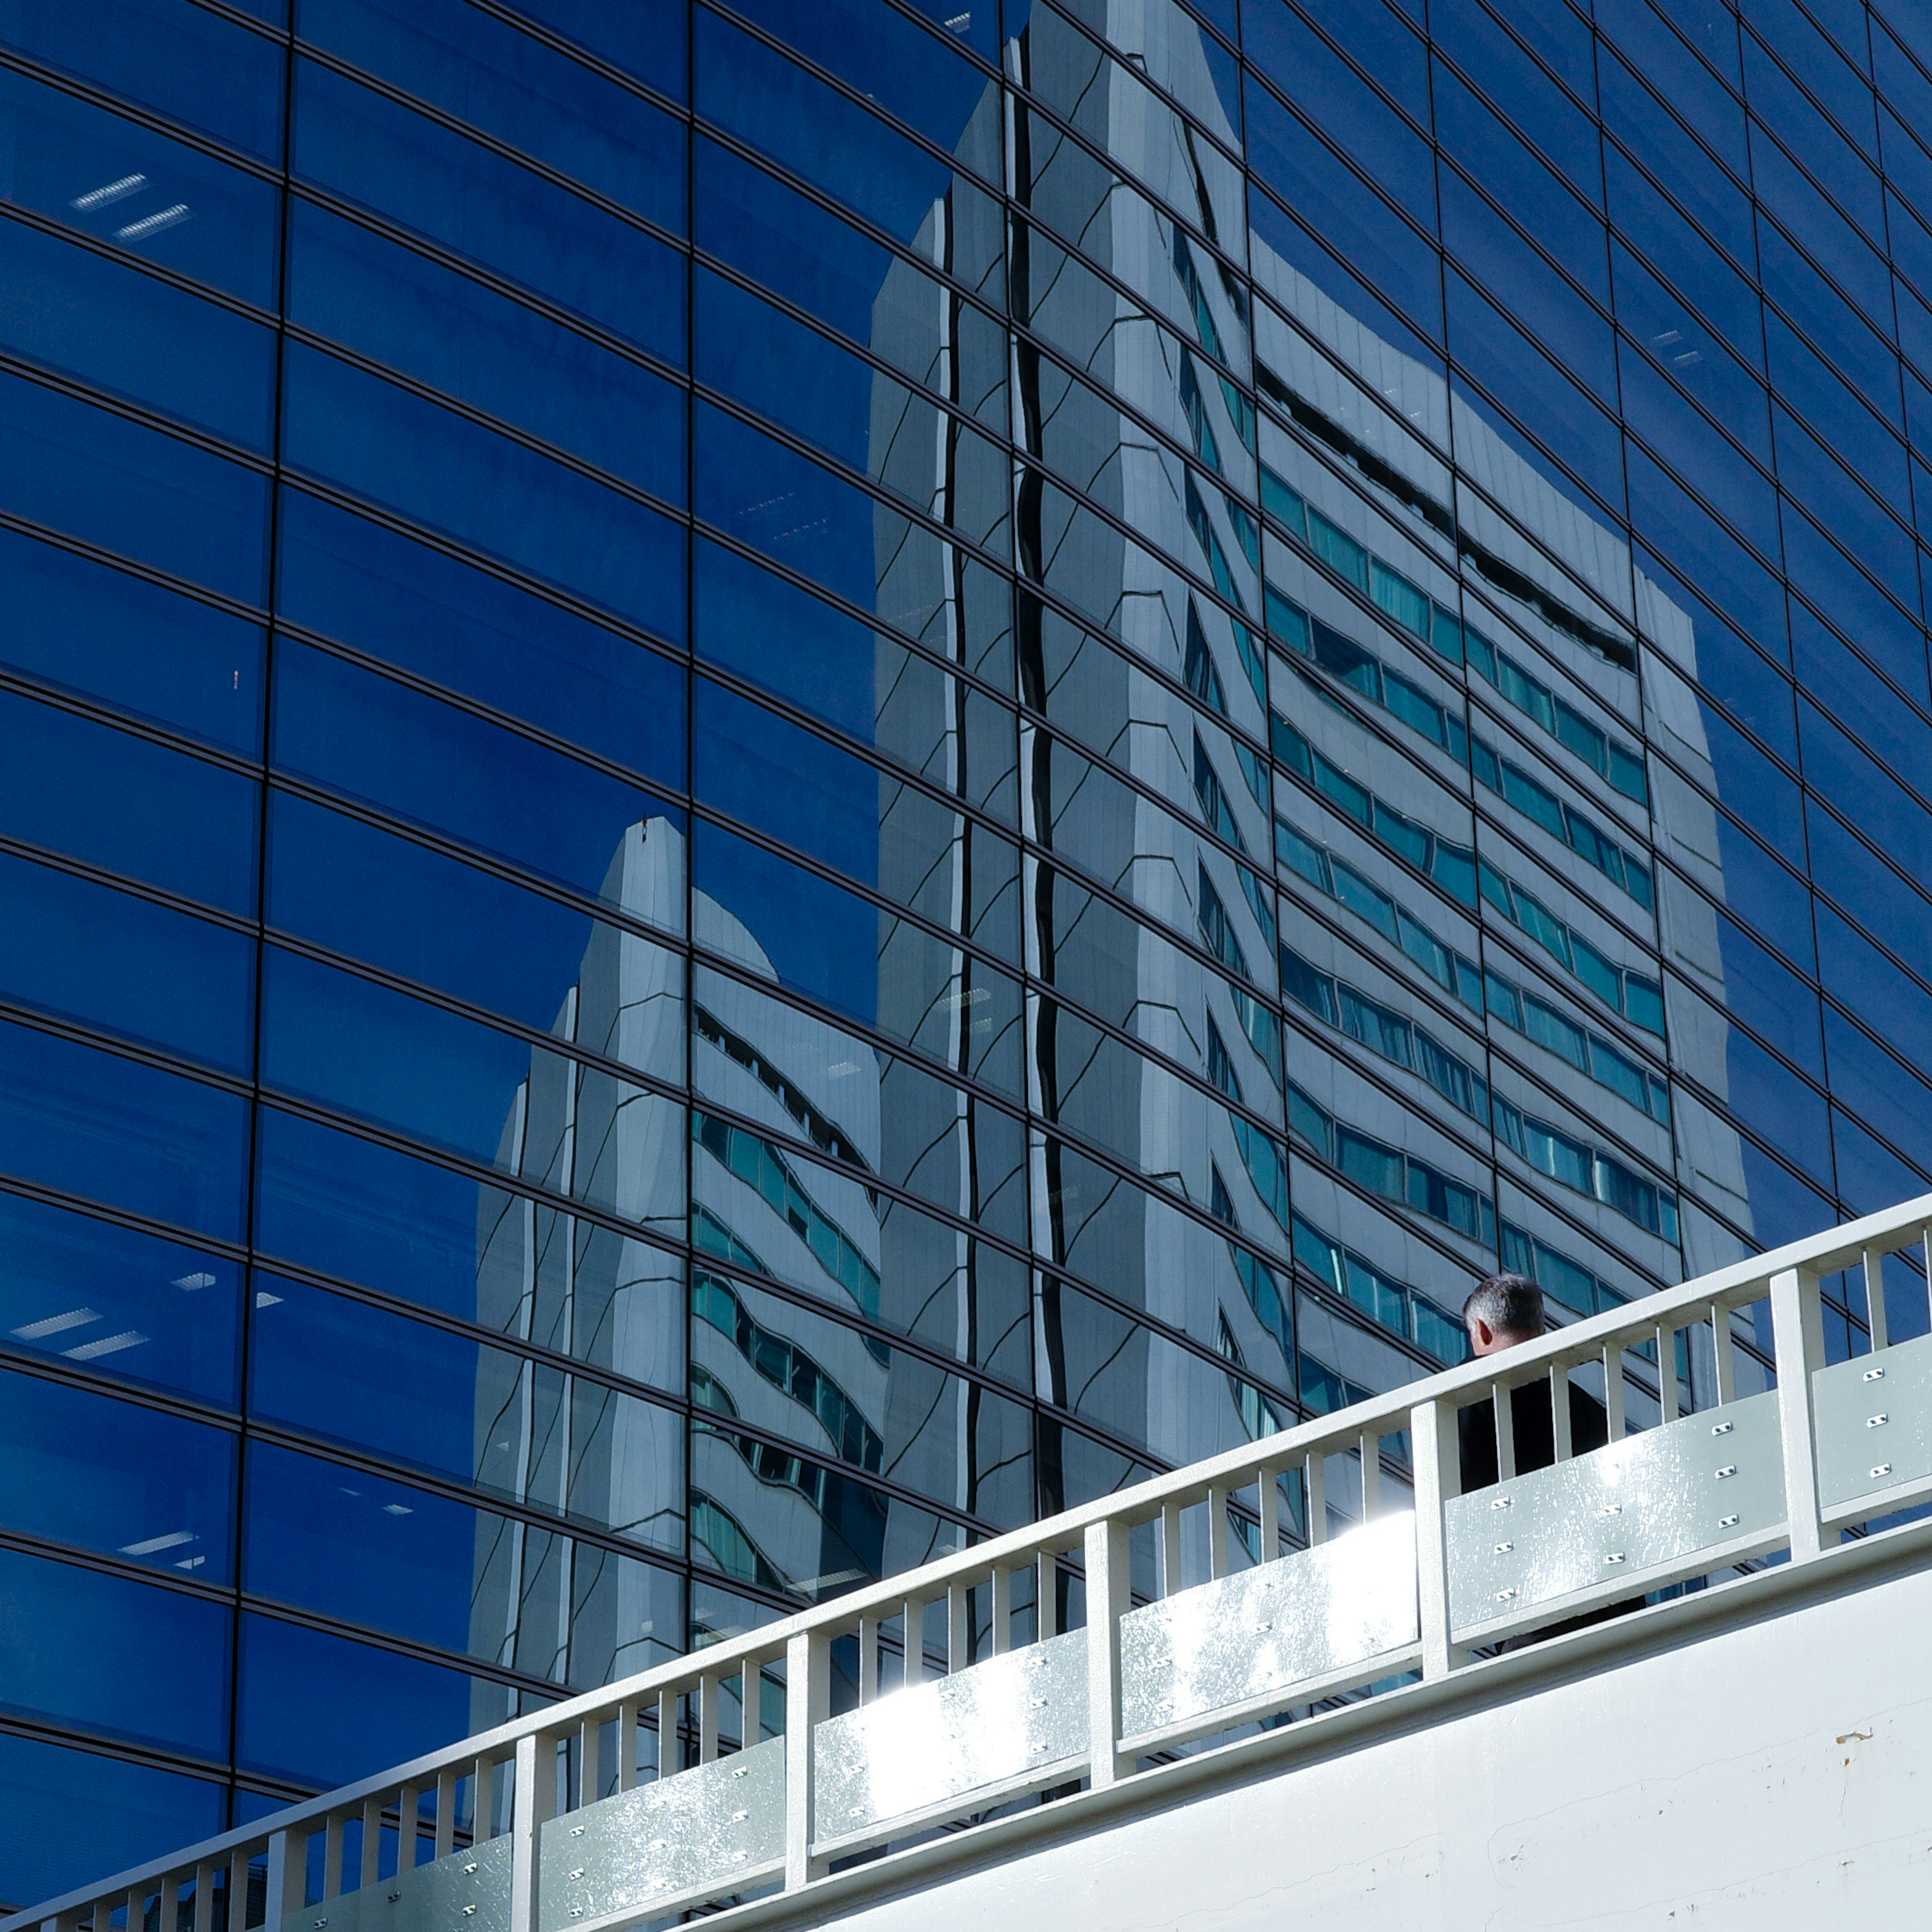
[{"x": 1776, "y": 1777}]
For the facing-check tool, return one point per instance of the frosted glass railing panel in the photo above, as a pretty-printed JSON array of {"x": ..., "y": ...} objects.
[
  {"x": 1303, "y": 1622},
  {"x": 999, "y": 1727},
  {"x": 714, "y": 1829},
  {"x": 1614, "y": 1522},
  {"x": 467, "y": 1891},
  {"x": 1873, "y": 1416}
]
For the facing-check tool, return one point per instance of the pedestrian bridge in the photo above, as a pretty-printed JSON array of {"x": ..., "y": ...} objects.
[{"x": 1305, "y": 1682}]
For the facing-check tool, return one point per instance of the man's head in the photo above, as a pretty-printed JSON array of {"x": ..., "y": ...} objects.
[{"x": 1504, "y": 1310}]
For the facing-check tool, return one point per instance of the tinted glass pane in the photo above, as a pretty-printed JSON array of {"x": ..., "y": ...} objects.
[
  {"x": 112, "y": 1476},
  {"x": 524, "y": 93},
  {"x": 126, "y": 804},
  {"x": 130, "y": 488},
  {"x": 108, "y": 959},
  {"x": 137, "y": 190},
  {"x": 75, "y": 622},
  {"x": 128, "y": 332},
  {"x": 123, "y": 1303},
  {"x": 445, "y": 769},
  {"x": 461, "y": 626},
  {"x": 134, "y": 1812},
  {"x": 482, "y": 487},
  {"x": 119, "y": 1658}
]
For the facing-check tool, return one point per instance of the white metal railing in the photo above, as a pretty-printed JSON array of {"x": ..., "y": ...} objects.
[{"x": 552, "y": 1824}]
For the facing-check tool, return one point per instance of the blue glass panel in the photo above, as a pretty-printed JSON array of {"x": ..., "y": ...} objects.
[
  {"x": 1835, "y": 328},
  {"x": 124, "y": 1304},
  {"x": 1377, "y": 44},
  {"x": 488, "y": 208},
  {"x": 793, "y": 509},
  {"x": 1864, "y": 981},
  {"x": 365, "y": 1547},
  {"x": 646, "y": 39},
  {"x": 1780, "y": 104},
  {"x": 328, "y": 1036},
  {"x": 136, "y": 190},
  {"x": 1528, "y": 188},
  {"x": 425, "y": 760},
  {"x": 1835, "y": 410},
  {"x": 1662, "y": 60},
  {"x": 1754, "y": 788},
  {"x": 516, "y": 88},
  {"x": 76, "y": 1117},
  {"x": 1301, "y": 65},
  {"x": 116, "y": 1476},
  {"x": 119, "y": 1658},
  {"x": 1840, "y": 85},
  {"x": 1851, "y": 601},
  {"x": 788, "y": 640},
  {"x": 1684, "y": 258},
  {"x": 1693, "y": 354},
  {"x": 72, "y": 622},
  {"x": 346, "y": 1372},
  {"x": 1350, "y": 217},
  {"x": 1758, "y": 890},
  {"x": 465, "y": 628},
  {"x": 1850, "y": 872},
  {"x": 791, "y": 244},
  {"x": 415, "y": 912},
  {"x": 454, "y": 335},
  {"x": 1509, "y": 365},
  {"x": 1841, "y": 681},
  {"x": 1843, "y": 773},
  {"x": 353, "y": 1208},
  {"x": 134, "y": 1813},
  {"x": 321, "y": 1710},
  {"x": 482, "y": 488},
  {"x": 1767, "y": 996},
  {"x": 1871, "y": 1177},
  {"x": 1501, "y": 262},
  {"x": 1681, "y": 528},
  {"x": 1330, "y": 268},
  {"x": 768, "y": 771},
  {"x": 132, "y": 489},
  {"x": 1782, "y": 1207},
  {"x": 1656, "y": 410},
  {"x": 125, "y": 331},
  {"x": 125, "y": 964},
  {"x": 127, "y": 803},
  {"x": 909, "y": 72},
  {"x": 1807, "y": 471},
  {"x": 821, "y": 941},
  {"x": 779, "y": 109},
  {"x": 1879, "y": 1089},
  {"x": 190, "y": 63},
  {"x": 1711, "y": 27},
  {"x": 1564, "y": 133}
]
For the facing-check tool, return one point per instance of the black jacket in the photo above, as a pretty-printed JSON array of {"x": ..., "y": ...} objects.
[{"x": 1535, "y": 1438}]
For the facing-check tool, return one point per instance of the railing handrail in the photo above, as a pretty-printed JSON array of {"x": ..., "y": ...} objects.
[{"x": 1737, "y": 1284}]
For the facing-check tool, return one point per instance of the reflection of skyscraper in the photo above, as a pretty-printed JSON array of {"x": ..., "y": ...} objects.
[{"x": 989, "y": 737}]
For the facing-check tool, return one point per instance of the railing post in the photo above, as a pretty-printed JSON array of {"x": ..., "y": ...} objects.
[
  {"x": 531, "y": 1802},
  {"x": 1107, "y": 1602},
  {"x": 807, "y": 1705},
  {"x": 287, "y": 1888},
  {"x": 1797, "y": 1340},
  {"x": 1439, "y": 1476}
]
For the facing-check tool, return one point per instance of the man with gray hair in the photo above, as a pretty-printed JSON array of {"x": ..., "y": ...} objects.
[{"x": 1502, "y": 1312}]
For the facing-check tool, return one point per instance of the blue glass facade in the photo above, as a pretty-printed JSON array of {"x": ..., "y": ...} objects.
[{"x": 781, "y": 780}]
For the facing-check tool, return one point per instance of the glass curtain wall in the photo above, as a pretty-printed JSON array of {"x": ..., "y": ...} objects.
[{"x": 780, "y": 782}]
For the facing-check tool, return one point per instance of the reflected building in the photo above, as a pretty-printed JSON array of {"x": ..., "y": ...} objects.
[{"x": 789, "y": 781}]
